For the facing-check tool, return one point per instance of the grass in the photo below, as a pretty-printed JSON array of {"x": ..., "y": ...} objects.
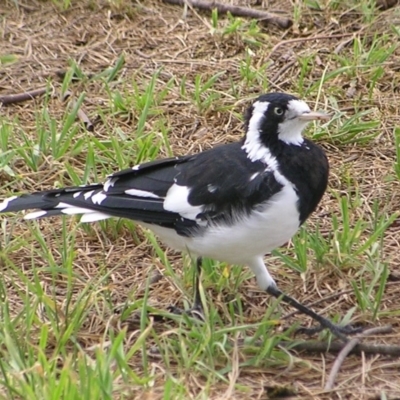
[{"x": 83, "y": 306}]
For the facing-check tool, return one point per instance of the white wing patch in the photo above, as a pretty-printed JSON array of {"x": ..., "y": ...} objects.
[
  {"x": 94, "y": 216},
  {"x": 177, "y": 201},
  {"x": 98, "y": 198},
  {"x": 73, "y": 210},
  {"x": 88, "y": 194},
  {"x": 35, "y": 214},
  {"x": 62, "y": 205},
  {"x": 110, "y": 182},
  {"x": 141, "y": 193},
  {"x": 5, "y": 202},
  {"x": 88, "y": 215}
]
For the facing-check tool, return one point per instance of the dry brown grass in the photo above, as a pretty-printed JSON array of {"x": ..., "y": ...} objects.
[{"x": 153, "y": 35}]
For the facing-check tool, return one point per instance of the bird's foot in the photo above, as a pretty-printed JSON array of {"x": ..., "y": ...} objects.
[
  {"x": 337, "y": 330},
  {"x": 195, "y": 312}
]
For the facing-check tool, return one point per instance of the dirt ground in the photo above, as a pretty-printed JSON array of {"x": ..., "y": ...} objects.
[{"x": 152, "y": 35}]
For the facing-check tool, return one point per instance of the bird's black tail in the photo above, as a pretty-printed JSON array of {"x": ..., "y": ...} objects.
[{"x": 56, "y": 202}]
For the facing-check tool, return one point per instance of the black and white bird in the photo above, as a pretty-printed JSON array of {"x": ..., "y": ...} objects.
[{"x": 233, "y": 203}]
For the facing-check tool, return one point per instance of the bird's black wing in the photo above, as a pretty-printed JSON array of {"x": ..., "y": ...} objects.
[
  {"x": 226, "y": 184},
  {"x": 183, "y": 193}
]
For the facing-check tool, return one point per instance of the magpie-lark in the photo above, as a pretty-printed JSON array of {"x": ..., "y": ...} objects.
[{"x": 233, "y": 203}]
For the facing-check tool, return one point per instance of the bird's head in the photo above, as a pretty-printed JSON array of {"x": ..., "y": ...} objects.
[{"x": 278, "y": 116}]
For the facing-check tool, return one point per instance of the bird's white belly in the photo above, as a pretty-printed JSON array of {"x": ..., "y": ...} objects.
[{"x": 255, "y": 235}]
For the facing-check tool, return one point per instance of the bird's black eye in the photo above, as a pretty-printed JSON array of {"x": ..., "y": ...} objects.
[{"x": 278, "y": 111}]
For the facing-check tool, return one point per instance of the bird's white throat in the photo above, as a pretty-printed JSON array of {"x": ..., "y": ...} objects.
[{"x": 291, "y": 129}]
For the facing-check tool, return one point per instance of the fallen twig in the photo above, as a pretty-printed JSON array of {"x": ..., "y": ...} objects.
[
  {"x": 314, "y": 346},
  {"x": 308, "y": 38},
  {"x": 280, "y": 73},
  {"x": 20, "y": 97},
  {"x": 339, "y": 361},
  {"x": 348, "y": 348},
  {"x": 238, "y": 11}
]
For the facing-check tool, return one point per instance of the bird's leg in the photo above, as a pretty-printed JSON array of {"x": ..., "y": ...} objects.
[
  {"x": 339, "y": 331},
  {"x": 197, "y": 308},
  {"x": 197, "y": 304}
]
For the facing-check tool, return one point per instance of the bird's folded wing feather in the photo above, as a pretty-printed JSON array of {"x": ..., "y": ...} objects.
[{"x": 180, "y": 193}]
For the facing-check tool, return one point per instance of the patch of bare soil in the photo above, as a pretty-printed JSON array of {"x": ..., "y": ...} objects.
[{"x": 153, "y": 35}]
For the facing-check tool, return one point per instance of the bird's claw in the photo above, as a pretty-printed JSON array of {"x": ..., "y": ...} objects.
[{"x": 337, "y": 330}]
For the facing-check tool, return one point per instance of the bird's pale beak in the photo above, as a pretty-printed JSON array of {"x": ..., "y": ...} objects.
[{"x": 314, "y": 116}]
